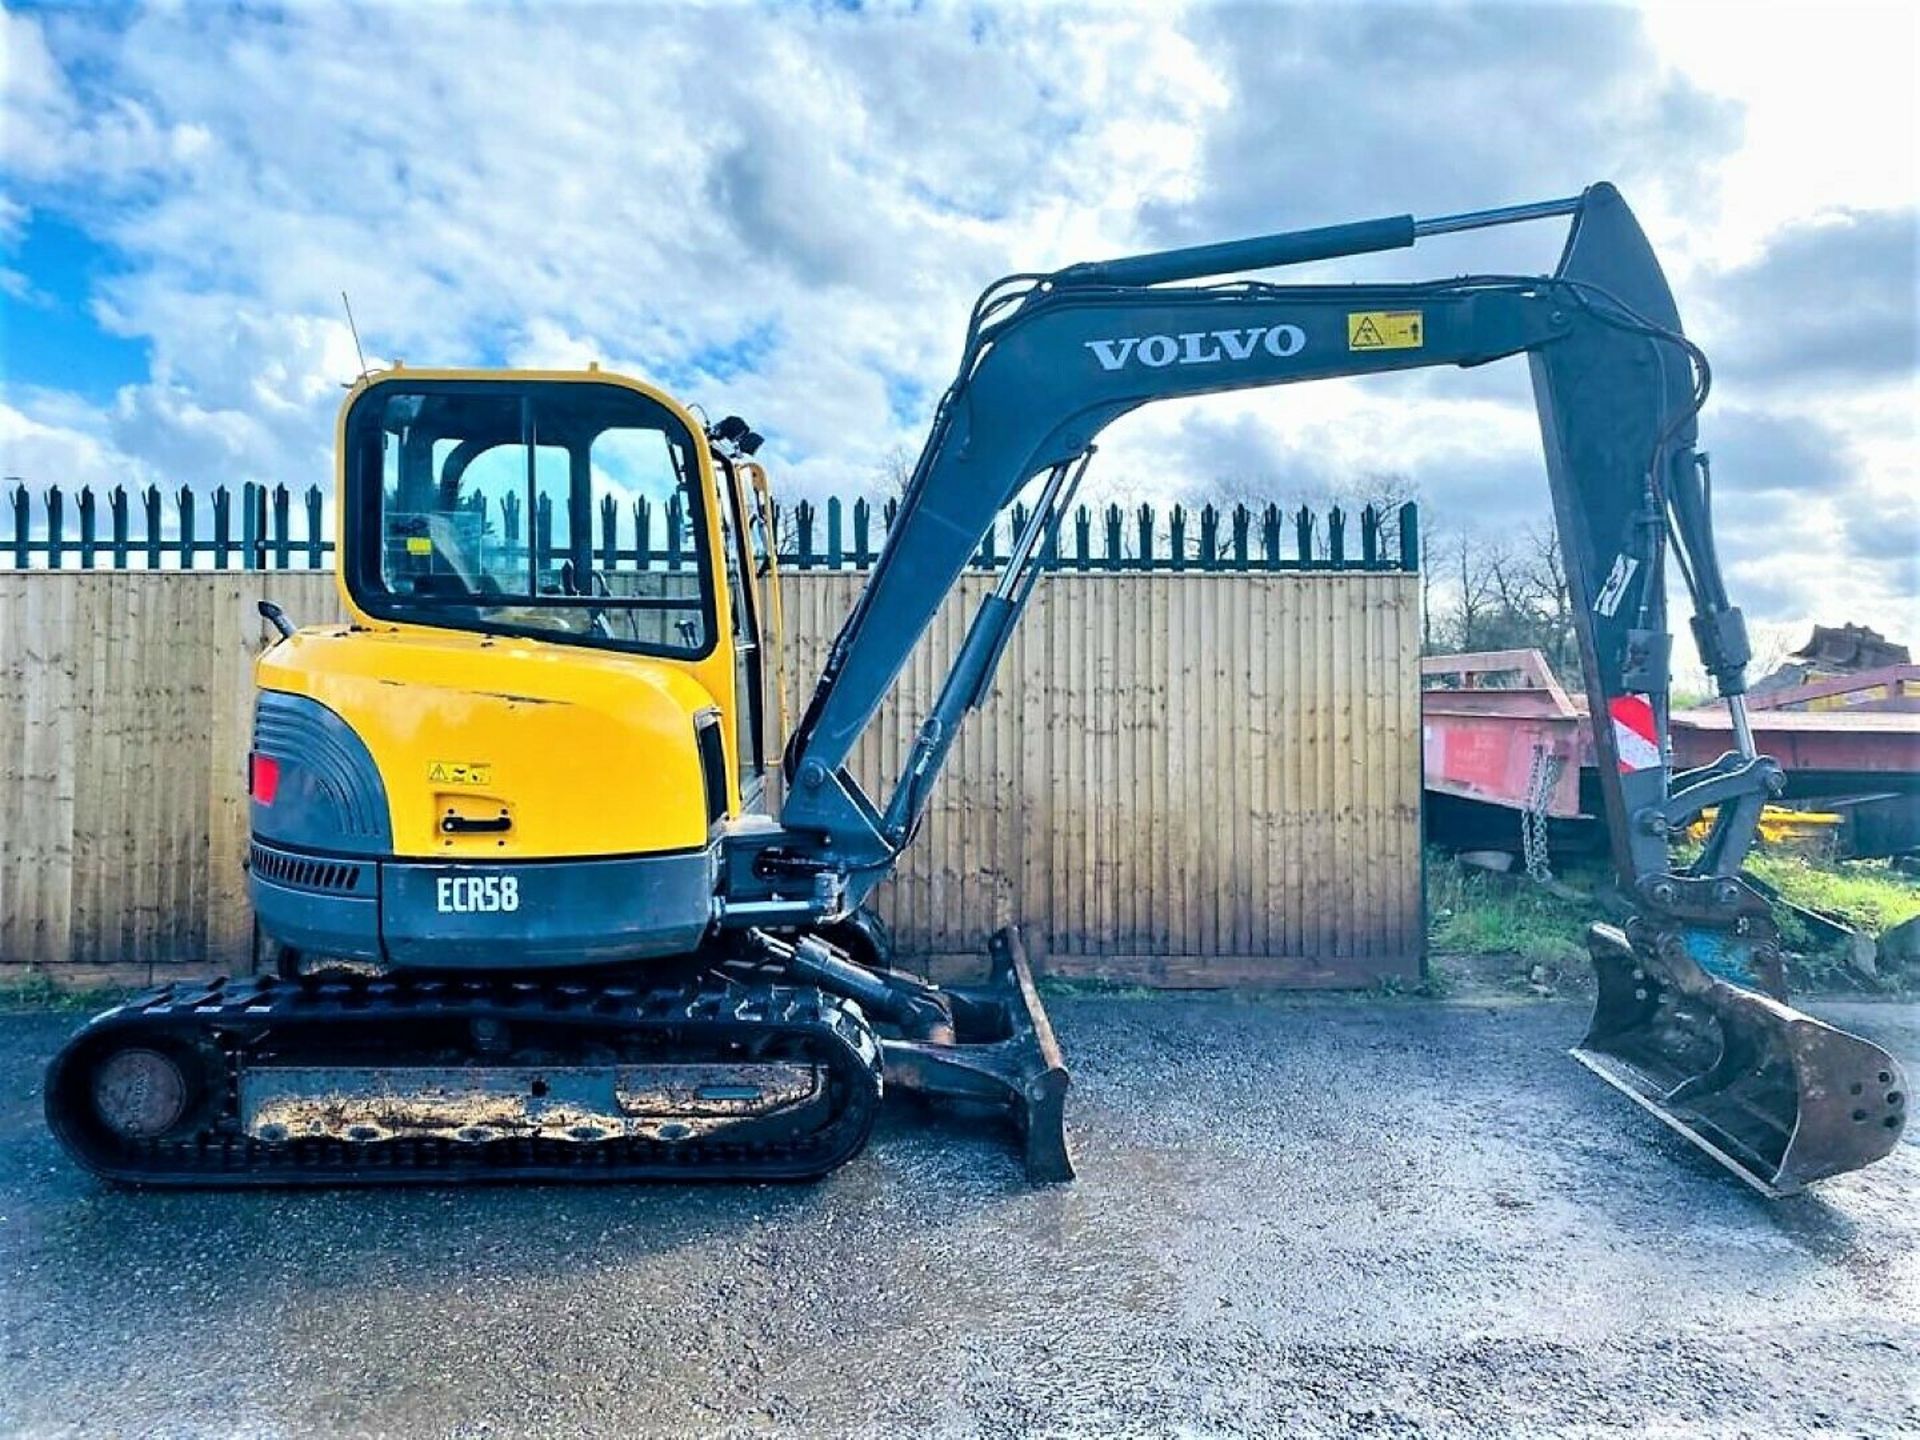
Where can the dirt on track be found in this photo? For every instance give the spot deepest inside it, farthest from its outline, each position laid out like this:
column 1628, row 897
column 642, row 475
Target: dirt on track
column 1295, row 1216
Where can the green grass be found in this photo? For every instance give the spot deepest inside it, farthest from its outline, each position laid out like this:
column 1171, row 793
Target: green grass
column 1475, row 912
column 1870, row 895
column 38, row 991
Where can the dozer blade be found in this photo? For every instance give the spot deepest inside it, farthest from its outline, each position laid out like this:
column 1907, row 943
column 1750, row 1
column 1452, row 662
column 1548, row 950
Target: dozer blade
column 1004, row 1055
column 1776, row 1096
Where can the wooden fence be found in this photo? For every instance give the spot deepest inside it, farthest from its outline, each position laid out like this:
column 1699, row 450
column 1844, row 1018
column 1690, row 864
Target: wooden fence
column 1186, row 779
column 1183, row 777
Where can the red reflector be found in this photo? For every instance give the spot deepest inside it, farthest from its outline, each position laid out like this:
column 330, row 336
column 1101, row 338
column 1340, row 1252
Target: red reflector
column 263, row 777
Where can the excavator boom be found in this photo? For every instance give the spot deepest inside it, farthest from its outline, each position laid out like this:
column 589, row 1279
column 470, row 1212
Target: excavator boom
column 1691, row 1021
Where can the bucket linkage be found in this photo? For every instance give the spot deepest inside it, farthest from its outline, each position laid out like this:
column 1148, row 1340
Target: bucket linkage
column 1778, row 1097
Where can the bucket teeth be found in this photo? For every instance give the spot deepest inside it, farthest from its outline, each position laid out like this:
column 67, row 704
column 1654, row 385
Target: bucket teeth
column 1780, row 1098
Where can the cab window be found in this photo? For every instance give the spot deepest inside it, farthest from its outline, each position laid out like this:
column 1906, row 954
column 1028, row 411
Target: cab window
column 563, row 510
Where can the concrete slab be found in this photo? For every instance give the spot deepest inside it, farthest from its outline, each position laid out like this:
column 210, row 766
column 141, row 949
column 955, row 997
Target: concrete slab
column 1306, row 1216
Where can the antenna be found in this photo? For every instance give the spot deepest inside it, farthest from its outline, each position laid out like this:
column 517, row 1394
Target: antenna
column 348, row 304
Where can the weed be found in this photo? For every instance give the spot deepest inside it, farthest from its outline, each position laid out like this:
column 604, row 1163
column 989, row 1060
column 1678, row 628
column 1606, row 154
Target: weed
column 37, row 990
column 1868, row 894
column 1476, row 912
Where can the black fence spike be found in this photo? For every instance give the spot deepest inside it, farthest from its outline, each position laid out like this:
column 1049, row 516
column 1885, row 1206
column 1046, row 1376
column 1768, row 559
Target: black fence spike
column 1109, row 537
column 316, row 500
column 56, row 526
column 803, row 534
column 117, row 508
column 88, row 542
column 22, row 525
column 150, row 511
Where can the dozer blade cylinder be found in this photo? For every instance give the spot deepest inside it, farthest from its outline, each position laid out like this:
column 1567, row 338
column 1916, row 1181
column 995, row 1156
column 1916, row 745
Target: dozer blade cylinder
column 1778, row 1097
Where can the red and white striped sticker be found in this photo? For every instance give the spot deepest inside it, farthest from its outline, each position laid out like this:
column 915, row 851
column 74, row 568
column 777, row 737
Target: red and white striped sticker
column 1634, row 742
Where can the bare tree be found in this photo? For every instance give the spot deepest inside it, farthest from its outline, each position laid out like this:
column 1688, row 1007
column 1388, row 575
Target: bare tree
column 1554, row 600
column 895, row 469
column 1473, row 599
column 1501, row 595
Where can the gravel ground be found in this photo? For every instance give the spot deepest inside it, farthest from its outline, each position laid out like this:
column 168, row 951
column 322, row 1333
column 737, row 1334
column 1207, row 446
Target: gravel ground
column 1294, row 1216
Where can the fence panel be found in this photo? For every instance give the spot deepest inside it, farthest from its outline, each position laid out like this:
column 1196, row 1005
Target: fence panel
column 1182, row 777
column 125, row 711
column 1178, row 779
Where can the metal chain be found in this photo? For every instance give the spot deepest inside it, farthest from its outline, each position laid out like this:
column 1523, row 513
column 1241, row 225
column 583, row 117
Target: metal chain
column 1533, row 820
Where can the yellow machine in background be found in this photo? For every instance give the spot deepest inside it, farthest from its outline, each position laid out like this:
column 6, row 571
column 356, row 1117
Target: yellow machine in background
column 1780, row 825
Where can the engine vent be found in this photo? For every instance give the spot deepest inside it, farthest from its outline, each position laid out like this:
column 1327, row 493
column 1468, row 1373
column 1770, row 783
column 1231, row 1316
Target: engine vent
column 713, row 763
column 332, row 877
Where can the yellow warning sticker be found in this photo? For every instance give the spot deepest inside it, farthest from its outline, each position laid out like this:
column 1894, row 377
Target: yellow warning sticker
column 1385, row 330
column 419, row 545
column 447, row 772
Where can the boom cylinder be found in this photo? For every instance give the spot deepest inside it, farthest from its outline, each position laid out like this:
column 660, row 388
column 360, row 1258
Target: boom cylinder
column 1503, row 215
column 1298, row 247
column 1262, row 252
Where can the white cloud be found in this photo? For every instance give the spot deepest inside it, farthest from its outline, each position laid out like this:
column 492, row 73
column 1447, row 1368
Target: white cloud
column 788, row 215
column 62, row 451
column 1826, row 91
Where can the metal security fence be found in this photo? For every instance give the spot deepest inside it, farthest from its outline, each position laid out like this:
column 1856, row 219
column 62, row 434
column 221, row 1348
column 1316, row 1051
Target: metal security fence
column 262, row 527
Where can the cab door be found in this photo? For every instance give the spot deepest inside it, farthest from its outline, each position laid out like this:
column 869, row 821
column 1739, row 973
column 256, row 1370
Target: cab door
column 766, row 574
column 751, row 678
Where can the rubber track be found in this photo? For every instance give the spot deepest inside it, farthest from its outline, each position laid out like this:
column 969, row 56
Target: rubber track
column 234, row 1015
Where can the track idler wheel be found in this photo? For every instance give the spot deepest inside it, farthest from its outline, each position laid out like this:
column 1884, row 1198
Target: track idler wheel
column 129, row 1093
column 140, row 1094
column 1778, row 1097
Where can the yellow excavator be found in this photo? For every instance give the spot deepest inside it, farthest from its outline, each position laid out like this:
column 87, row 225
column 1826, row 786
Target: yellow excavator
column 530, row 912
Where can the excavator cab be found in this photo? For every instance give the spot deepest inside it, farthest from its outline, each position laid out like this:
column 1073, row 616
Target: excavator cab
column 499, row 507
column 551, row 677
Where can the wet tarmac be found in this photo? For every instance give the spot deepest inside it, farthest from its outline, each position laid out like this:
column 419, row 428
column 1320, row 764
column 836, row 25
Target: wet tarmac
column 1296, row 1217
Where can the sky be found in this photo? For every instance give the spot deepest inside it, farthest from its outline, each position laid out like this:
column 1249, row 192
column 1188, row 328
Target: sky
column 787, row 210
